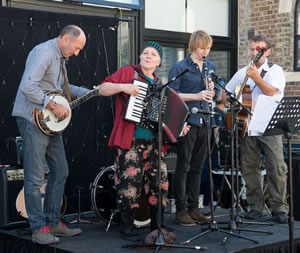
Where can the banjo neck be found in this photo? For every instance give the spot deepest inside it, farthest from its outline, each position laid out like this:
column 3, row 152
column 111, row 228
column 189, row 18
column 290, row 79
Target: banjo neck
column 84, row 98
column 46, row 120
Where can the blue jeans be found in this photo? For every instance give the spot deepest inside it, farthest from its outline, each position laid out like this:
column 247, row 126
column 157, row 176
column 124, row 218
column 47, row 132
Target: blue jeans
column 42, row 153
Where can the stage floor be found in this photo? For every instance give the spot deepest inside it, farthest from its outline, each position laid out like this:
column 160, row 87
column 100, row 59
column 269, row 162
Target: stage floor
column 96, row 239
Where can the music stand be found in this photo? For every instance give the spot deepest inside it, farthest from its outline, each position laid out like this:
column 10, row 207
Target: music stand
column 286, row 121
column 160, row 241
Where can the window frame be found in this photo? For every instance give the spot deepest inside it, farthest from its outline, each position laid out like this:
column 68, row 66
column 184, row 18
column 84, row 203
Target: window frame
column 112, row 4
column 170, row 38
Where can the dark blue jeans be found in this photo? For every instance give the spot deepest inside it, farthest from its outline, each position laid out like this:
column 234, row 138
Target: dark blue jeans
column 42, row 153
column 191, row 155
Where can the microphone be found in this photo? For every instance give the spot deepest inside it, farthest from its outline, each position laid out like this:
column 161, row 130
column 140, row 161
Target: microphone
column 216, row 78
column 195, row 110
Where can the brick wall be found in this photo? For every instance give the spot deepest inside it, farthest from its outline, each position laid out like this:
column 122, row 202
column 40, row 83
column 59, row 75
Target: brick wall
column 263, row 16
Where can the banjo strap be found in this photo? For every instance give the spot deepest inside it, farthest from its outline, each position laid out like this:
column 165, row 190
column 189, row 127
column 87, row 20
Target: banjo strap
column 66, row 83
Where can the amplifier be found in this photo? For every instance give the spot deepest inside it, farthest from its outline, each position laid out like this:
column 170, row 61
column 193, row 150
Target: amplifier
column 14, row 147
column 11, row 183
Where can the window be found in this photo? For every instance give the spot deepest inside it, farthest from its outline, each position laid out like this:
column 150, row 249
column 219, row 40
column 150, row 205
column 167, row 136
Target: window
column 171, row 22
column 188, row 15
column 170, row 57
column 297, row 37
column 222, row 61
column 174, row 54
column 125, row 41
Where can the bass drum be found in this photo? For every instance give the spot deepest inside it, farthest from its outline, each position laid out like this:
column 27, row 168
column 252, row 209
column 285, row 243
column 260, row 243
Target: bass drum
column 104, row 200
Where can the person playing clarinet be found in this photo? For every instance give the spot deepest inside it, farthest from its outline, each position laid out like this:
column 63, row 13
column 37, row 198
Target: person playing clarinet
column 198, row 91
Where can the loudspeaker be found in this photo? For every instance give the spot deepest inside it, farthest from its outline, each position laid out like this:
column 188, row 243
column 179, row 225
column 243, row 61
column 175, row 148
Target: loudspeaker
column 11, row 183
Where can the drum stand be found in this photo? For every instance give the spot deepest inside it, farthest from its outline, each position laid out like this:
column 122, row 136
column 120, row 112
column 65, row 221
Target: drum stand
column 160, row 241
column 78, row 219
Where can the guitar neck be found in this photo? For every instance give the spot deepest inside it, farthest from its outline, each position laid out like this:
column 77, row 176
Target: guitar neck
column 242, row 87
column 84, row 98
column 252, row 62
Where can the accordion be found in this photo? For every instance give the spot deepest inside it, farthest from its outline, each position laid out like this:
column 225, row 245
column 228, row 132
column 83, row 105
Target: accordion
column 143, row 110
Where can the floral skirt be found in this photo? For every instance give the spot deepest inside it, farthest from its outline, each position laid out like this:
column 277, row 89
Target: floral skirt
column 137, row 169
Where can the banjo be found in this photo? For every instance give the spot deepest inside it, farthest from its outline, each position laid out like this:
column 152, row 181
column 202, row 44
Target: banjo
column 48, row 123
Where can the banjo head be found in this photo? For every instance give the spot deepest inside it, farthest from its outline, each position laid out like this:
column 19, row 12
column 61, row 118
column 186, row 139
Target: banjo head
column 51, row 121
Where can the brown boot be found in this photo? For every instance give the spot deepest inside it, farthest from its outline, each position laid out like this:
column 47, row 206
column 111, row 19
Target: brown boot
column 183, row 218
column 197, row 216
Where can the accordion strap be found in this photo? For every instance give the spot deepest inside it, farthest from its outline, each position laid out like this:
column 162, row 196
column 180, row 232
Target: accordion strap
column 140, row 73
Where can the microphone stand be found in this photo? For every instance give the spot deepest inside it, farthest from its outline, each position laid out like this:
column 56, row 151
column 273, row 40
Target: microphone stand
column 213, row 226
column 160, row 241
column 236, row 220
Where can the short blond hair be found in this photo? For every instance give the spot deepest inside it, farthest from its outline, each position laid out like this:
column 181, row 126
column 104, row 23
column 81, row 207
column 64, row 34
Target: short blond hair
column 199, row 39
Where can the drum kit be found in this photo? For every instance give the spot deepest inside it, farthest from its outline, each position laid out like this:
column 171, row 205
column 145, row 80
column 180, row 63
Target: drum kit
column 103, row 198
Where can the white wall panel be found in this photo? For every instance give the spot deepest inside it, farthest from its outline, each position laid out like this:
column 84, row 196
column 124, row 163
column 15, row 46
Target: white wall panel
column 211, row 16
column 165, row 15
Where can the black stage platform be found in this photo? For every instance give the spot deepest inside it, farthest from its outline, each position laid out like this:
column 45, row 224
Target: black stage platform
column 94, row 238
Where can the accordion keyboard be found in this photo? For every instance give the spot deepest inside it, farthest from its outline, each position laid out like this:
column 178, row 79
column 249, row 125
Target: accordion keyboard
column 135, row 104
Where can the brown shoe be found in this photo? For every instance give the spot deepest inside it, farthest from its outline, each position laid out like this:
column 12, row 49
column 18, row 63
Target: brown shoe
column 197, row 216
column 61, row 230
column 184, row 219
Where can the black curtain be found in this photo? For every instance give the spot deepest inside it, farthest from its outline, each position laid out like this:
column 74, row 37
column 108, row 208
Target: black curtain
column 87, row 136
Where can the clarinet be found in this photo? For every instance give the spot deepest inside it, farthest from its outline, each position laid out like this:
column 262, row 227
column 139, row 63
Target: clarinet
column 205, row 72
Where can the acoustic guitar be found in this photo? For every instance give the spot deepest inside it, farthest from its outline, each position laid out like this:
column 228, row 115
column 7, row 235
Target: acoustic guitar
column 245, row 93
column 20, row 202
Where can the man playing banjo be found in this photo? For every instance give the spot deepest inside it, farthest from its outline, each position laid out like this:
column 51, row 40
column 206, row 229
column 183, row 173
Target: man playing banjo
column 45, row 72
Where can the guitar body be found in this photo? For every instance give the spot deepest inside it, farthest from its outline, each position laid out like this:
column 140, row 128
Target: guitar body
column 242, row 116
column 48, row 123
column 20, row 202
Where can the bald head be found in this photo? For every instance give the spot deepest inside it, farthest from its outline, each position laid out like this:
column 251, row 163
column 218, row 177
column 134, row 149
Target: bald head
column 71, row 40
column 72, row 30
